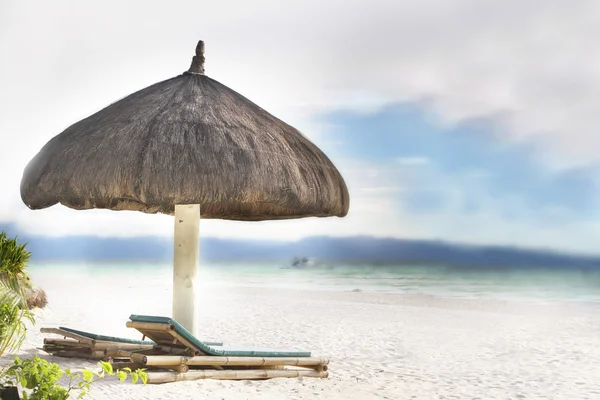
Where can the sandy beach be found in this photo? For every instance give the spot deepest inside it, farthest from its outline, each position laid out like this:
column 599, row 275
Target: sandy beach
column 382, row 346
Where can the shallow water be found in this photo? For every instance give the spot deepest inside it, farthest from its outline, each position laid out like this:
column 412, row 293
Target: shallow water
column 530, row 285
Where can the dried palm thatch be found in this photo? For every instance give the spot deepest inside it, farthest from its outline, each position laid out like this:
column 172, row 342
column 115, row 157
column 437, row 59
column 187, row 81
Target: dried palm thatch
column 36, row 297
column 33, row 296
column 186, row 140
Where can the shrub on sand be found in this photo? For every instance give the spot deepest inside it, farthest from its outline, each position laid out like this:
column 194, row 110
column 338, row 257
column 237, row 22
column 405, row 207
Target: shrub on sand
column 13, row 258
column 38, row 378
column 13, row 264
column 13, row 314
column 36, row 297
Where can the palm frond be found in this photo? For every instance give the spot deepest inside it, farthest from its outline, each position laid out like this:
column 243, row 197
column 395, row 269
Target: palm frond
column 13, row 257
column 13, row 314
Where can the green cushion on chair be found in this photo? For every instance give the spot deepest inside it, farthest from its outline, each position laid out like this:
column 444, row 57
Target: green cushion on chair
column 93, row 336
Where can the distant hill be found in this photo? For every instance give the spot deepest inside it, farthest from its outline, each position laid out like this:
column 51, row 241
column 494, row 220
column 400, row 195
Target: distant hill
column 333, row 249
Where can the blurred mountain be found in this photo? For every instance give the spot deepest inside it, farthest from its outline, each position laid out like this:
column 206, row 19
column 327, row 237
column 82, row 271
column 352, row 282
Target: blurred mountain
column 330, row 249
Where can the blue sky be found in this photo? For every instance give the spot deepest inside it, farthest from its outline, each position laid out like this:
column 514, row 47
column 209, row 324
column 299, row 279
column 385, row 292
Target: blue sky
column 465, row 121
column 445, row 176
column 405, row 140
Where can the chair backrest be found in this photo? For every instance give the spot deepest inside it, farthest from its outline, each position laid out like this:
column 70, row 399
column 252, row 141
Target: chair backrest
column 103, row 338
column 169, row 333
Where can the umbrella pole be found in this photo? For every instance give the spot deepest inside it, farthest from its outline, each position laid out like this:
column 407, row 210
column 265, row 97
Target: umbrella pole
column 185, row 265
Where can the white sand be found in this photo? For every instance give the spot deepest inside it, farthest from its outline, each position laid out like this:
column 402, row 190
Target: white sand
column 381, row 346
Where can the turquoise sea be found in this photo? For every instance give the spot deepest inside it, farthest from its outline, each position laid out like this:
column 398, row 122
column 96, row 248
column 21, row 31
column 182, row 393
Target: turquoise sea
column 539, row 285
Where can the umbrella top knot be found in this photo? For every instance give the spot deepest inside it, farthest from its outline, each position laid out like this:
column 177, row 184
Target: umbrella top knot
column 197, row 66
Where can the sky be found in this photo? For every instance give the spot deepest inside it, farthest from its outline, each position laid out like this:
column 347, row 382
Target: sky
column 467, row 121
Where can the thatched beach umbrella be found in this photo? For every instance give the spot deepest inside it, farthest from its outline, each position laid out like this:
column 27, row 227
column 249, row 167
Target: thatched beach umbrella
column 187, row 146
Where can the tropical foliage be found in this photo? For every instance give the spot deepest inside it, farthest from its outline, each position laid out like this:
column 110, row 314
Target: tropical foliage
column 14, row 281
column 13, row 259
column 13, row 263
column 14, row 312
column 40, row 379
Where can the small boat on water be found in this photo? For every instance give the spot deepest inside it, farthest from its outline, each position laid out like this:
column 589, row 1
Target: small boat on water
column 306, row 263
column 303, row 262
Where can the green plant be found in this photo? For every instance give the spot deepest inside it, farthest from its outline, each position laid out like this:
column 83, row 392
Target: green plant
column 38, row 376
column 13, row 258
column 41, row 378
column 13, row 264
column 13, row 314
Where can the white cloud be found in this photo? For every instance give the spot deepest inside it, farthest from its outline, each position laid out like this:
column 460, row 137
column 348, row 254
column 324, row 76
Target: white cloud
column 533, row 67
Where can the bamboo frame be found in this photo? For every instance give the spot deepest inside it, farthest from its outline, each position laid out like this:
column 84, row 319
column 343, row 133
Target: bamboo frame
column 182, row 358
column 99, row 345
column 150, row 326
column 66, row 342
column 93, row 355
column 67, row 334
column 124, row 354
column 165, row 377
column 176, row 350
column 52, row 349
column 78, row 346
column 145, row 327
column 309, row 362
column 199, row 359
column 121, row 346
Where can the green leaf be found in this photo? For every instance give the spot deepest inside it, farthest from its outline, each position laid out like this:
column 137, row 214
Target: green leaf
column 122, row 375
column 107, row 367
column 143, row 376
column 134, row 377
column 14, row 281
column 87, row 375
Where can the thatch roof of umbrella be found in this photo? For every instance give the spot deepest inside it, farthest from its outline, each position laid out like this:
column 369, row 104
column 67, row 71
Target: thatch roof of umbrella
column 186, row 140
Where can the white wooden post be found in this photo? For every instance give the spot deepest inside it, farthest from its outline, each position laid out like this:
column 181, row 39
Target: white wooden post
column 185, row 268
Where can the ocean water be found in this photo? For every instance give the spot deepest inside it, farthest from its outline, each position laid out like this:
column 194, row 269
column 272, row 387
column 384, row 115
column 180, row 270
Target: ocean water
column 535, row 285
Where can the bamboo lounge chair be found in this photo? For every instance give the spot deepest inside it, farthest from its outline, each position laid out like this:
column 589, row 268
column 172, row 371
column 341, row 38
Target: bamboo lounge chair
column 184, row 357
column 81, row 344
